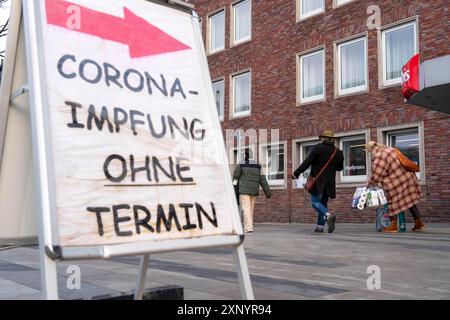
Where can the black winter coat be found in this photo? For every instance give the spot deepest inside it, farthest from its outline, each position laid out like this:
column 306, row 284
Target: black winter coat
column 318, row 157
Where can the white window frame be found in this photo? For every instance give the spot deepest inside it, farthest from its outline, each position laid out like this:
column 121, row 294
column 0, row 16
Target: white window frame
column 210, row 17
column 221, row 116
column 303, row 16
column 233, row 95
column 352, row 179
column 303, row 100
column 390, row 133
column 398, row 80
column 383, row 135
column 298, row 156
column 279, row 183
column 363, row 88
column 234, row 5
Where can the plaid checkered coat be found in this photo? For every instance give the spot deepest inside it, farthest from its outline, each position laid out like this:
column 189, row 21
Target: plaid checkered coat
column 401, row 186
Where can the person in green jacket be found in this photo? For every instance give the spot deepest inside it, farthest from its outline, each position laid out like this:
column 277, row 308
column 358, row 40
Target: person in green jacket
column 249, row 178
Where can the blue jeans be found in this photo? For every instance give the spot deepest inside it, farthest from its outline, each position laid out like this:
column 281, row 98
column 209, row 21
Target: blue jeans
column 320, row 203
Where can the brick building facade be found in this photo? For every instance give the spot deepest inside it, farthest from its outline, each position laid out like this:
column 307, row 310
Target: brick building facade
column 357, row 94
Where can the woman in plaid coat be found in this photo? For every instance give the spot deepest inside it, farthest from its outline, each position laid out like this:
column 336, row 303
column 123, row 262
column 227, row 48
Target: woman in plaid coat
column 401, row 186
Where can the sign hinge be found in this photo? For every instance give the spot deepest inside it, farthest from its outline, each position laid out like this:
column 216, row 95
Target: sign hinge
column 53, row 252
column 23, row 89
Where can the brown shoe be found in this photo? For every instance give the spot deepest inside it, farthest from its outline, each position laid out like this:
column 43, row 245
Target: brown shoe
column 392, row 228
column 418, row 225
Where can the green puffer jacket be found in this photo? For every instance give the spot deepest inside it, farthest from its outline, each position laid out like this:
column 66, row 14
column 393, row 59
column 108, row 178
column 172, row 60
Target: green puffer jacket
column 250, row 178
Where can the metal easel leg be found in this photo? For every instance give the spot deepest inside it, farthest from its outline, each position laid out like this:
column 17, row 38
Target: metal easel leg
column 49, row 276
column 140, row 283
column 243, row 274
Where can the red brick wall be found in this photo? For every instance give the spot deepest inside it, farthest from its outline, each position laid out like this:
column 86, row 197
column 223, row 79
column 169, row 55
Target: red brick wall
column 271, row 55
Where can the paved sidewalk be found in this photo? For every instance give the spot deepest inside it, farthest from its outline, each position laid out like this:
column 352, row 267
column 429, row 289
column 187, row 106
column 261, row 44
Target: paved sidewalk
column 285, row 261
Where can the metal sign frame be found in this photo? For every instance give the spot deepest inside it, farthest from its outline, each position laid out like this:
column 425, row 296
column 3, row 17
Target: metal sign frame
column 50, row 251
column 8, row 71
column 9, row 91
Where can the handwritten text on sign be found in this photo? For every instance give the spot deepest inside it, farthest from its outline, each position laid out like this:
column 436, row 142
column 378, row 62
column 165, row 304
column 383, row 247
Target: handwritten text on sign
column 132, row 131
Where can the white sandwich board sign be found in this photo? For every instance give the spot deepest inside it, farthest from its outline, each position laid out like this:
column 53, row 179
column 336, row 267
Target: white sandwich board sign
column 128, row 152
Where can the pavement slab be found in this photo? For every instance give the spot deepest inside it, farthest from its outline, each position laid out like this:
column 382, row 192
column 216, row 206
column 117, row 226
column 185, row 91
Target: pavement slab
column 286, row 261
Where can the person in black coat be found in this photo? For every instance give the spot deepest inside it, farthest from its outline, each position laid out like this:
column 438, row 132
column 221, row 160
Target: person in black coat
column 325, row 185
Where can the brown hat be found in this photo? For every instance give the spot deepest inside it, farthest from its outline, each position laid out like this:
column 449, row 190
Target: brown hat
column 327, row 134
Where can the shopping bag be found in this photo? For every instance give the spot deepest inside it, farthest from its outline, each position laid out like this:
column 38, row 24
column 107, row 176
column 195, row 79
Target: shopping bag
column 382, row 219
column 358, row 200
column 368, row 197
column 401, row 222
column 300, row 182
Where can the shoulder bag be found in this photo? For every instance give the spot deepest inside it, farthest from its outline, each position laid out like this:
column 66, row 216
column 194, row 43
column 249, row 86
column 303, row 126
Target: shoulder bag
column 406, row 162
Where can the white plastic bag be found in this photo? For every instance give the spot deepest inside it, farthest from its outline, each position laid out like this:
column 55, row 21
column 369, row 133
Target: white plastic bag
column 300, row 182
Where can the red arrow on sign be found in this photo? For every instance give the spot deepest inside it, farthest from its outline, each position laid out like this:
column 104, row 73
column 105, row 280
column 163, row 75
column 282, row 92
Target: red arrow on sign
column 142, row 38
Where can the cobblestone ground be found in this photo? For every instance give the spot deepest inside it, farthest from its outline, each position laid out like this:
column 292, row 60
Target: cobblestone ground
column 285, row 261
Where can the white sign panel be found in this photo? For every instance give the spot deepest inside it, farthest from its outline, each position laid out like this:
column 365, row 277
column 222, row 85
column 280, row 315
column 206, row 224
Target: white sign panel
column 135, row 137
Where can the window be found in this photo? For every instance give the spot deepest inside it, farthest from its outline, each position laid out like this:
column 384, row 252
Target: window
column 219, row 96
column 355, row 159
column 242, row 18
column 399, row 45
column 352, row 65
column 239, row 154
column 274, row 164
column 312, row 77
column 408, row 142
column 305, row 150
column 217, row 32
column 242, row 94
column 309, row 8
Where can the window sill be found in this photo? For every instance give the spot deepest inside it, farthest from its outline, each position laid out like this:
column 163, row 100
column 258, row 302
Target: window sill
column 277, row 187
column 345, row 95
column 302, row 19
column 389, row 86
column 215, row 52
column 337, row 6
column 342, row 185
column 305, row 103
column 239, row 116
column 353, row 182
column 237, row 44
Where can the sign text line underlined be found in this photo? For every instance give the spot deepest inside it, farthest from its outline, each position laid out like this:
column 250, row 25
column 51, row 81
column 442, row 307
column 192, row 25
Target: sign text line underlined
column 151, row 185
